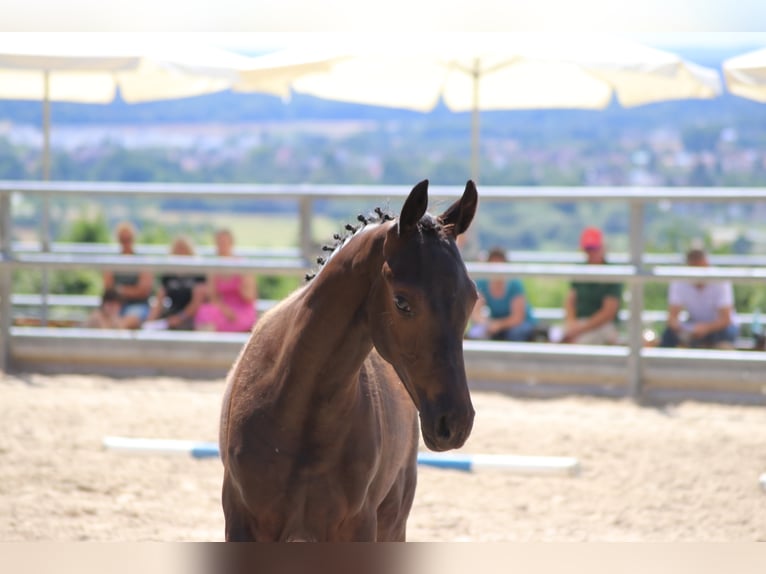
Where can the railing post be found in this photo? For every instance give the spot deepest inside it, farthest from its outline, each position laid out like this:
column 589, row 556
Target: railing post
column 635, row 326
column 46, row 208
column 45, row 246
column 6, row 308
column 306, row 239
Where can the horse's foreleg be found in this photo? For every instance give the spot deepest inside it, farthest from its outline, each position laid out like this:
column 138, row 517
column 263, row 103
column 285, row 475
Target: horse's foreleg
column 237, row 524
column 395, row 508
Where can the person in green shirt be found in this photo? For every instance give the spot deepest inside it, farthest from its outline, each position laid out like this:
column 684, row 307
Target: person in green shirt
column 591, row 308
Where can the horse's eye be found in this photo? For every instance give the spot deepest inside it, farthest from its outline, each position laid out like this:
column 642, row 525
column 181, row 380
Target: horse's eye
column 402, row 304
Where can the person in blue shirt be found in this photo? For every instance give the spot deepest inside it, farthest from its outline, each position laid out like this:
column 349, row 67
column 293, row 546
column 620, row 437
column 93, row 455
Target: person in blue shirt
column 502, row 311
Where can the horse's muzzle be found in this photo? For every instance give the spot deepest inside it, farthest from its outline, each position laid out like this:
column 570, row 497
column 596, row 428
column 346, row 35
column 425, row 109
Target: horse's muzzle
column 446, row 430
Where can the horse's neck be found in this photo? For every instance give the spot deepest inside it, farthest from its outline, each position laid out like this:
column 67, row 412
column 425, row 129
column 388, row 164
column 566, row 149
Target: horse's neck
column 331, row 330
column 339, row 297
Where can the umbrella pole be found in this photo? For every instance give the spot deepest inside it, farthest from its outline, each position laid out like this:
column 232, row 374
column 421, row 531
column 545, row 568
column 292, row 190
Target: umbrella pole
column 475, row 144
column 469, row 241
column 475, row 127
column 46, row 172
column 46, row 159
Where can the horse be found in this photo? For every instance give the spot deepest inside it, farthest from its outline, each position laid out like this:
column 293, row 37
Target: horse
column 319, row 422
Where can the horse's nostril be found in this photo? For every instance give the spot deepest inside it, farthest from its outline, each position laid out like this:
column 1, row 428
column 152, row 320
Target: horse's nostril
column 442, row 428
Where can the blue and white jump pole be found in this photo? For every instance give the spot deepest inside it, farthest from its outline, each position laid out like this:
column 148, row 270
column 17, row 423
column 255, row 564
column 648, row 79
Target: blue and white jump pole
column 454, row 461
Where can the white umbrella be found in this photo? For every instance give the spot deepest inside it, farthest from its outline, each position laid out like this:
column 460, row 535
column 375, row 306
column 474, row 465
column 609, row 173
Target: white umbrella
column 89, row 68
column 746, row 75
column 472, row 73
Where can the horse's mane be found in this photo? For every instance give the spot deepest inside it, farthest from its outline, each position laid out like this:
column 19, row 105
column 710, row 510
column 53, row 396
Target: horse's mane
column 427, row 223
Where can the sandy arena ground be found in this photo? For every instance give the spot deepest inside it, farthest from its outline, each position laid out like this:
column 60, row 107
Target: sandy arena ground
column 685, row 472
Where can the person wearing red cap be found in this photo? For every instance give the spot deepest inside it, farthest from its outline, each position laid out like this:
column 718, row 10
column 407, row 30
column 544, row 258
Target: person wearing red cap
column 591, row 308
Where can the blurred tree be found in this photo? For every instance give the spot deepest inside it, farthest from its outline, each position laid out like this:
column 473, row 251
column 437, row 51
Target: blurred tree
column 84, row 230
column 77, row 281
column 11, row 164
column 154, row 234
column 742, row 245
column 697, row 138
column 276, row 287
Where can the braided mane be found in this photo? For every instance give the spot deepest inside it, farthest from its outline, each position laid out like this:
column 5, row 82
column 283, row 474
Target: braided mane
column 427, row 223
column 340, row 239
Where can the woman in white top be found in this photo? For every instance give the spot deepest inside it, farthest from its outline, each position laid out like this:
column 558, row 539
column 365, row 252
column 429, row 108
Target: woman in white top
column 710, row 306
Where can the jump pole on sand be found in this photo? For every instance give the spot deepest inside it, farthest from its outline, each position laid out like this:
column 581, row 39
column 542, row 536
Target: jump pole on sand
column 454, row 461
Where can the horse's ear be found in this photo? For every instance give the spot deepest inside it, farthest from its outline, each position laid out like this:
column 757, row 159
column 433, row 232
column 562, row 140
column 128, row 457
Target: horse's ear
column 459, row 215
column 414, row 208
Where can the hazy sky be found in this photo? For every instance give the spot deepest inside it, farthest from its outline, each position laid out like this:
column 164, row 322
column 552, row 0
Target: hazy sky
column 259, row 42
column 402, row 19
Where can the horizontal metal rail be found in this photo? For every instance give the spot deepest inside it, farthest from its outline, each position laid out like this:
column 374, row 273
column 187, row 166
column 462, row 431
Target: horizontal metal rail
column 174, row 264
column 314, row 191
column 617, row 273
column 150, row 249
column 275, row 266
column 90, row 302
column 573, row 257
column 263, row 305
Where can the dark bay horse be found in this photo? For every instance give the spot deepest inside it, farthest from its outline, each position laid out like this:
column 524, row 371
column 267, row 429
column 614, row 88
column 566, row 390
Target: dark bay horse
column 319, row 426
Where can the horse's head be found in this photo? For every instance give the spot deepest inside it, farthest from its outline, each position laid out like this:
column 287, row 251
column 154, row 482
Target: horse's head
column 423, row 300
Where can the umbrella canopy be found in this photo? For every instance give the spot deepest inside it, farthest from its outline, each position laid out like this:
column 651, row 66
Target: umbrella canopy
column 746, row 75
column 474, row 74
column 89, row 68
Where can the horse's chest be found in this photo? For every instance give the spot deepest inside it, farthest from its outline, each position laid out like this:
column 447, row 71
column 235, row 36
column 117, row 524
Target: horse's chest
column 299, row 477
column 308, row 502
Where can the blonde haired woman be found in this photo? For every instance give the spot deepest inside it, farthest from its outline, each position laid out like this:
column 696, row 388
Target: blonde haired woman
column 133, row 288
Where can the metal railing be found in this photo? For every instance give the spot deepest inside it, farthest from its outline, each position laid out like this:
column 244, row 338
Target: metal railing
column 90, row 302
column 635, row 268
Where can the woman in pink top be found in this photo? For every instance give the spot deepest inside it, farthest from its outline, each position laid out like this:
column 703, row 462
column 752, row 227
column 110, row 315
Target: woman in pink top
column 231, row 298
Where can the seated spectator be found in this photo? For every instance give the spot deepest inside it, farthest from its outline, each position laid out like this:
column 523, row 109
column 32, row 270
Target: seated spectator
column 510, row 316
column 710, row 306
column 591, row 308
column 107, row 316
column 178, row 297
column 230, row 305
column 133, row 288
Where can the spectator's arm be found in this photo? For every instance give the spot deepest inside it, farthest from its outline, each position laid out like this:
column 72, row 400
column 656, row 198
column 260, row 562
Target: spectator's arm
column 673, row 317
column 722, row 321
column 108, row 278
column 518, row 312
column 198, row 297
column 211, row 293
column 248, row 288
column 156, row 311
column 608, row 311
column 570, row 313
column 476, row 316
column 141, row 290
